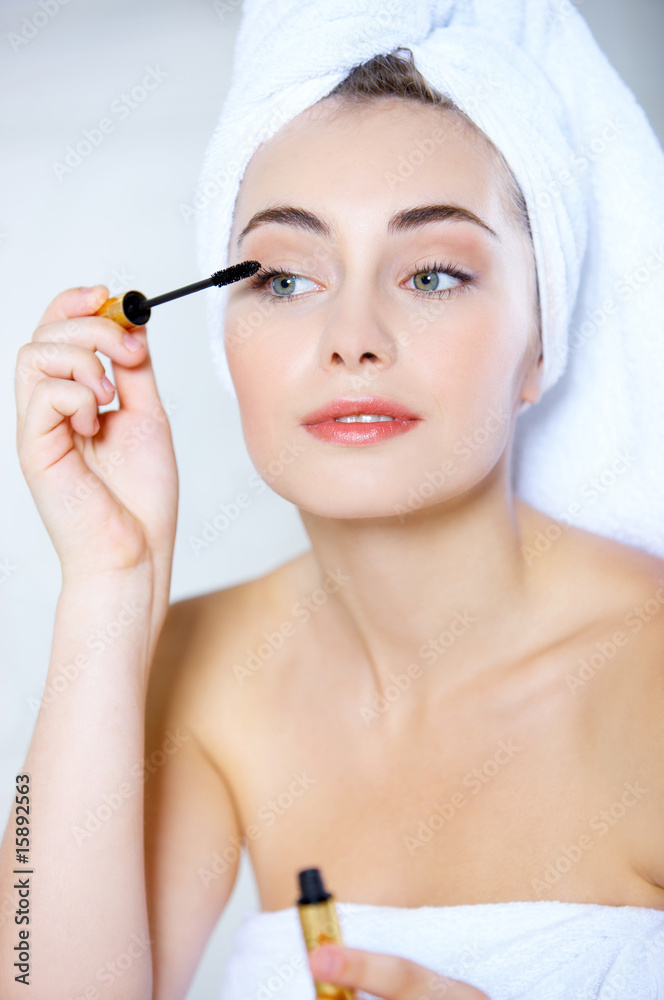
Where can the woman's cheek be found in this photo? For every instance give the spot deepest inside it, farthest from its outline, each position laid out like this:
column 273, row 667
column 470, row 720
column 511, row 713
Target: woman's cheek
column 264, row 410
column 472, row 382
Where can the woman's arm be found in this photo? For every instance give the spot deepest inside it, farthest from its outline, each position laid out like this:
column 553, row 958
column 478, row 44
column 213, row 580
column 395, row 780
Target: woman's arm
column 192, row 832
column 129, row 819
column 87, row 907
column 105, row 486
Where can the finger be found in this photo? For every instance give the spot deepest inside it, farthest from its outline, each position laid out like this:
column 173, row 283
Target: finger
column 137, row 387
column 132, row 369
column 74, row 302
column 65, row 361
column 390, row 976
column 52, row 400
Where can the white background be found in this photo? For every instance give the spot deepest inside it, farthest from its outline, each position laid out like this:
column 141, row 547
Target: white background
column 117, row 219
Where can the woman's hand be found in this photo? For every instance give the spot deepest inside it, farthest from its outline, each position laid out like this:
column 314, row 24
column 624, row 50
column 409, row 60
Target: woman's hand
column 106, row 494
column 387, row 976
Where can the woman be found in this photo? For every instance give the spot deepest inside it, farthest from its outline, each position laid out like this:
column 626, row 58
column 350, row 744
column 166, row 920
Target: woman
column 497, row 756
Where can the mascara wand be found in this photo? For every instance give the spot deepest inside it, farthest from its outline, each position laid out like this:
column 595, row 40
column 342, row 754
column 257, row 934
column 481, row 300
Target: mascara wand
column 133, row 309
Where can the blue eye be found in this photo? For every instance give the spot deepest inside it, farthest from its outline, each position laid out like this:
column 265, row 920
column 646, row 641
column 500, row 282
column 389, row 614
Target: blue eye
column 433, row 286
column 427, row 274
column 285, row 283
column 431, row 282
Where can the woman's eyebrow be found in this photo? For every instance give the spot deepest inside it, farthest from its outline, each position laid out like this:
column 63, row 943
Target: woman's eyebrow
column 406, row 219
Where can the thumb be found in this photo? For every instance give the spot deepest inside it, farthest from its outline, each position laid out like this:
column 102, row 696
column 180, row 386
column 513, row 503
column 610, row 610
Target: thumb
column 136, row 386
column 74, row 302
column 387, row 976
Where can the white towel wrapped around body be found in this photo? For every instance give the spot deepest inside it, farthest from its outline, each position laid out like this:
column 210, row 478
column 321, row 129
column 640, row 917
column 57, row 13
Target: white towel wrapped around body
column 542, row 950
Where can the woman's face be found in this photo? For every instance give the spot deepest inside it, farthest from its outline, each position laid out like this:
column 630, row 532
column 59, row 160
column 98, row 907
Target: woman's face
column 373, row 312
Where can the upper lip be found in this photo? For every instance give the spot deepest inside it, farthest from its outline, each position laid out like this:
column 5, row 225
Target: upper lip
column 347, row 406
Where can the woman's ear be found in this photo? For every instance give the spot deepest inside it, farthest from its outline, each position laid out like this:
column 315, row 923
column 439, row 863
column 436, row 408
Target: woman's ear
column 531, row 387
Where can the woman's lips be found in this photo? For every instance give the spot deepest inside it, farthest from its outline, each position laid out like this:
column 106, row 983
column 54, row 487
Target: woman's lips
column 322, row 423
column 346, row 406
column 360, row 433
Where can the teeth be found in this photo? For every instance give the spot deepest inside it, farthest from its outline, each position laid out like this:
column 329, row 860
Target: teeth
column 362, row 418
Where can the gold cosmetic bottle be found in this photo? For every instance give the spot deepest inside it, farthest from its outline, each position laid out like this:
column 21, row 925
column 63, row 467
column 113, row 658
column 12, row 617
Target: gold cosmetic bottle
column 320, row 925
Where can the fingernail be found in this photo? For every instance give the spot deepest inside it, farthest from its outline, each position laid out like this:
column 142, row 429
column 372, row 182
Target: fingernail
column 107, row 385
column 131, row 342
column 85, row 290
column 97, row 425
column 328, row 962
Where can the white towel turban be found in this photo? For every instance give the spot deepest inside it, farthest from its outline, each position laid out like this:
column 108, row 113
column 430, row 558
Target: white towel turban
column 530, row 74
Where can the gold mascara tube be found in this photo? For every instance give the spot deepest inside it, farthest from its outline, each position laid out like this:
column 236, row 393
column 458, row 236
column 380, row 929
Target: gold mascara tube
column 320, row 925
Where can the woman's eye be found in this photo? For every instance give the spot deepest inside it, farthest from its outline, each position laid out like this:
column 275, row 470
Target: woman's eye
column 284, row 284
column 435, row 281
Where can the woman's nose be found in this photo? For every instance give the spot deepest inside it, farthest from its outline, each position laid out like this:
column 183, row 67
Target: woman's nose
column 358, row 336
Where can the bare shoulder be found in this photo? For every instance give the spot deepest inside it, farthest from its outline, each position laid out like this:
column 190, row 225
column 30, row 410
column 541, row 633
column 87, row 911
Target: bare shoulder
column 620, row 678
column 621, row 577
column 205, row 641
column 223, row 620
column 616, row 591
column 599, row 575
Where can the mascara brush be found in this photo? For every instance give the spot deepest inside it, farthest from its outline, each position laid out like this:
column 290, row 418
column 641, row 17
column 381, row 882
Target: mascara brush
column 133, row 309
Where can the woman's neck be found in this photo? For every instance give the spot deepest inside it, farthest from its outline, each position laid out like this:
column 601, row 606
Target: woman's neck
column 439, row 587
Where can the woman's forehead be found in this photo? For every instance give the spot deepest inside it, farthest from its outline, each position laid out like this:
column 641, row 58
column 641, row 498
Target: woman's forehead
column 374, row 162
column 342, row 130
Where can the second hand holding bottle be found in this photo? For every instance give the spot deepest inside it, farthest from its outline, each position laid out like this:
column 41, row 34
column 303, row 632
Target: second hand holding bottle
column 320, row 925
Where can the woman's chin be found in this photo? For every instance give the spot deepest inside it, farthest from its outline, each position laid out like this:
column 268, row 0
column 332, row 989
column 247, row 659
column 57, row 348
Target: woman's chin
column 343, row 502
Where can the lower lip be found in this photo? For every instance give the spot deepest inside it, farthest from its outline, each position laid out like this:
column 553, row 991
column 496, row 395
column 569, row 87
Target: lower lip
column 359, row 433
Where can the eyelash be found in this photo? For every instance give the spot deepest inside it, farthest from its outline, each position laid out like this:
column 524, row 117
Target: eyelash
column 260, row 279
